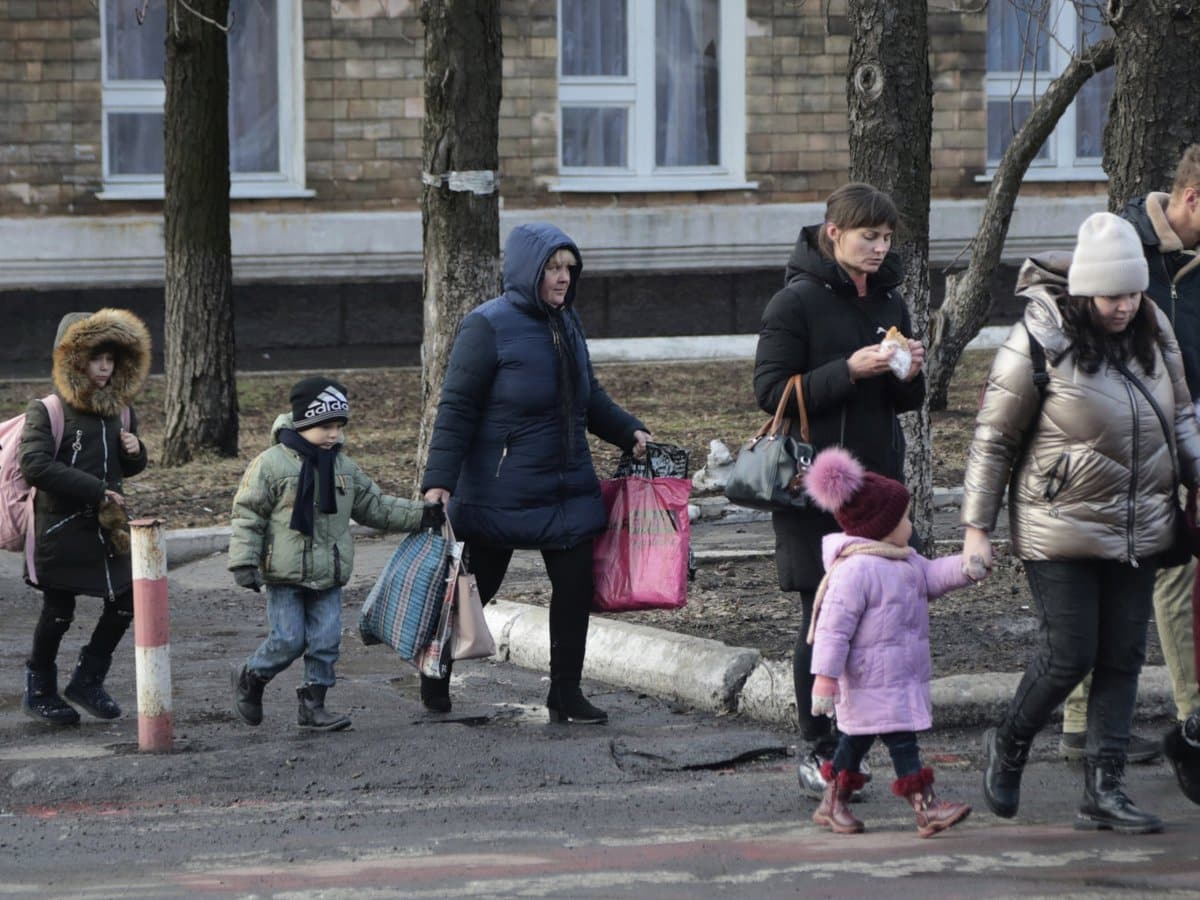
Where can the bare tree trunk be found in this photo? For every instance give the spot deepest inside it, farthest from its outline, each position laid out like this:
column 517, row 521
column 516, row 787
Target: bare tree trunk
column 201, row 397
column 890, row 98
column 1153, row 114
column 968, row 295
column 460, row 213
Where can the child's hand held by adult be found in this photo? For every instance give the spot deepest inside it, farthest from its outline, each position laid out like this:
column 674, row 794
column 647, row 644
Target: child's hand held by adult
column 433, row 517
column 975, row 568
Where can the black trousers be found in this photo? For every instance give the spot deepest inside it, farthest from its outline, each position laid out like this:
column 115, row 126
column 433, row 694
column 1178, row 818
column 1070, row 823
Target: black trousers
column 571, row 589
column 58, row 612
column 1092, row 617
column 816, row 730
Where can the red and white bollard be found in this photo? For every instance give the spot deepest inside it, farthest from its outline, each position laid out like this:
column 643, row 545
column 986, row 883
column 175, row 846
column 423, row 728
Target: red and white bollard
column 149, row 551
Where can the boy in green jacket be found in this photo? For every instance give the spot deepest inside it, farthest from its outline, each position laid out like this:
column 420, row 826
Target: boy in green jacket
column 291, row 533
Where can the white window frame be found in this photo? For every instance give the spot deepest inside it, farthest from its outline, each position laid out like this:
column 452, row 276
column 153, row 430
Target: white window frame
column 635, row 92
column 149, row 96
column 1062, row 164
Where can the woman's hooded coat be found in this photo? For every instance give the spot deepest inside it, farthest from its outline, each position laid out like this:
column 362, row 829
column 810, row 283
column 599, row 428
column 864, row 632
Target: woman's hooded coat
column 73, row 552
column 1089, row 472
column 812, row 326
column 510, row 437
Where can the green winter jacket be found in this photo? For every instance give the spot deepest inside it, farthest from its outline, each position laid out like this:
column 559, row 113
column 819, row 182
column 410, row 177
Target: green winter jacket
column 262, row 512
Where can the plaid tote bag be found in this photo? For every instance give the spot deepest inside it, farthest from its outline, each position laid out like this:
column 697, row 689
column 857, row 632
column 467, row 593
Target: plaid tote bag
column 403, row 607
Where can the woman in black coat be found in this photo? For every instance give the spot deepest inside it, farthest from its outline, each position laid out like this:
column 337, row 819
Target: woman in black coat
column 101, row 361
column 509, row 453
column 826, row 324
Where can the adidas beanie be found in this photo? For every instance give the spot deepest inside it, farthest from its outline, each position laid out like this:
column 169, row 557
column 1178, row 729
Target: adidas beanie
column 1108, row 259
column 318, row 399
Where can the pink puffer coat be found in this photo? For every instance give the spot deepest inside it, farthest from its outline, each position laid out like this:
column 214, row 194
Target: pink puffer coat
column 872, row 635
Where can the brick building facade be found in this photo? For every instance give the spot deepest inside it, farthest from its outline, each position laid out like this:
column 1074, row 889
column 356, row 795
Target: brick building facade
column 337, row 220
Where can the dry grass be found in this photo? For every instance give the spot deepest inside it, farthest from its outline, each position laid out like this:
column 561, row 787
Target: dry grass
column 687, row 404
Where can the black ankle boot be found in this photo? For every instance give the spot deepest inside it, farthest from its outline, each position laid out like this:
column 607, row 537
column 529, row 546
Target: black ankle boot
column 1181, row 746
column 566, row 703
column 86, row 687
column 1005, row 757
column 435, row 693
column 247, row 695
column 312, row 712
column 41, row 701
column 1105, row 804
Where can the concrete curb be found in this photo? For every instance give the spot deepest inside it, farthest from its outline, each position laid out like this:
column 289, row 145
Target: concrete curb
column 722, row 346
column 701, row 673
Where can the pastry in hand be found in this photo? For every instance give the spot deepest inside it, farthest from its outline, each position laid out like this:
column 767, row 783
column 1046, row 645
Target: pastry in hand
column 901, row 359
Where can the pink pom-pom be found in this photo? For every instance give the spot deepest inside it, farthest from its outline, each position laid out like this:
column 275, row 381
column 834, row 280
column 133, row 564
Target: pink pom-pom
column 833, row 478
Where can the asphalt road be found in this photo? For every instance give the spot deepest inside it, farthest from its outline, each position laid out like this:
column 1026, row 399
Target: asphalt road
column 492, row 801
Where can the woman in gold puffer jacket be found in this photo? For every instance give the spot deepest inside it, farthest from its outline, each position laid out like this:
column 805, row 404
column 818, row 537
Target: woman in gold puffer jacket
column 1091, row 476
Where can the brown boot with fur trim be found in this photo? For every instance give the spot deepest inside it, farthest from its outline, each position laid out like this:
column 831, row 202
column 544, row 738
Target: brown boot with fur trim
column 834, row 811
column 933, row 815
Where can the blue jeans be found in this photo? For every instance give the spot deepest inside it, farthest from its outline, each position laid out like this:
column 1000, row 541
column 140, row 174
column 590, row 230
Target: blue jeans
column 1092, row 616
column 902, row 745
column 303, row 622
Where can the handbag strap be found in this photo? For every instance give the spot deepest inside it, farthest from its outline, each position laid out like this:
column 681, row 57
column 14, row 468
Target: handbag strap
column 456, row 550
column 1162, row 419
column 780, row 421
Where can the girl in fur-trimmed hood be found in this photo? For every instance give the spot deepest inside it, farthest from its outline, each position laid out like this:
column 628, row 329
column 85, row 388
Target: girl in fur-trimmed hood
column 79, row 336
column 100, row 363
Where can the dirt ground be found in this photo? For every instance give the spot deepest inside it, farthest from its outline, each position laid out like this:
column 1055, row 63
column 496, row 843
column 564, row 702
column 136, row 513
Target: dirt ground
column 985, row 628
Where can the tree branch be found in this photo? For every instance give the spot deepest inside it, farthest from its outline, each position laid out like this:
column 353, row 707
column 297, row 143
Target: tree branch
column 968, row 299
column 202, row 17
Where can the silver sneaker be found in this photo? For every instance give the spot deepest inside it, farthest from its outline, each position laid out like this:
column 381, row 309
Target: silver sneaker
column 812, row 783
column 808, row 772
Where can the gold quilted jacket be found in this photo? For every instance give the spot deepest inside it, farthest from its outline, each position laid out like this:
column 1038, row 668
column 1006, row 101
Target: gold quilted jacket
column 1096, row 478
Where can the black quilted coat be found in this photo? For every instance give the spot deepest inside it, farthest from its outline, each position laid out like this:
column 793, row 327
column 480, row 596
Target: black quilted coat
column 73, row 552
column 812, row 327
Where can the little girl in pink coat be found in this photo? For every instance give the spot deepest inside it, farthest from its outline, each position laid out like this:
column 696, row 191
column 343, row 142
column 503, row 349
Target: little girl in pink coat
column 870, row 638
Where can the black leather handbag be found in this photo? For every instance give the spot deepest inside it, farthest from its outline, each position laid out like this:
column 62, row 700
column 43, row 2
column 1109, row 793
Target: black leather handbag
column 768, row 472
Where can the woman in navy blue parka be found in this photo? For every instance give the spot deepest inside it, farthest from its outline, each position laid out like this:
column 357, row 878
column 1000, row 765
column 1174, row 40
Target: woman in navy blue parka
column 509, row 454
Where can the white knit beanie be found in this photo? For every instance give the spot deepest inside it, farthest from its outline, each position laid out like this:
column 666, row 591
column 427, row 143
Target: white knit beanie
column 1108, row 259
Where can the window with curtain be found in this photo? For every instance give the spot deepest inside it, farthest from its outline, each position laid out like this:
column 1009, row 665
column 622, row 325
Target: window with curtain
column 651, row 94
column 1030, row 43
column 265, row 94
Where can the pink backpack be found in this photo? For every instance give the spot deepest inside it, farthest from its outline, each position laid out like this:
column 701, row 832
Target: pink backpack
column 16, row 496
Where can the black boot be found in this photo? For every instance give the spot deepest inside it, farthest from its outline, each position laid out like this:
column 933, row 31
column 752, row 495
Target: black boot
column 41, row 701
column 566, row 703
column 86, row 687
column 1105, row 804
column 247, row 694
column 435, row 693
column 1005, row 757
column 1181, row 746
column 312, row 710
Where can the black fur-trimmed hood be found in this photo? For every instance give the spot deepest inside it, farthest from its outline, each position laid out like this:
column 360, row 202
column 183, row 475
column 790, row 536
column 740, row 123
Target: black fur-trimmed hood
column 79, row 334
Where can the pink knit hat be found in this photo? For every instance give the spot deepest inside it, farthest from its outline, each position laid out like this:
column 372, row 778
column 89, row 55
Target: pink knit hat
column 865, row 504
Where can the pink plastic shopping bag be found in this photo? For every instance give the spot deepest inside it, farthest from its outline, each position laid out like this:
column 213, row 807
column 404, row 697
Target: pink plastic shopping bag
column 640, row 561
